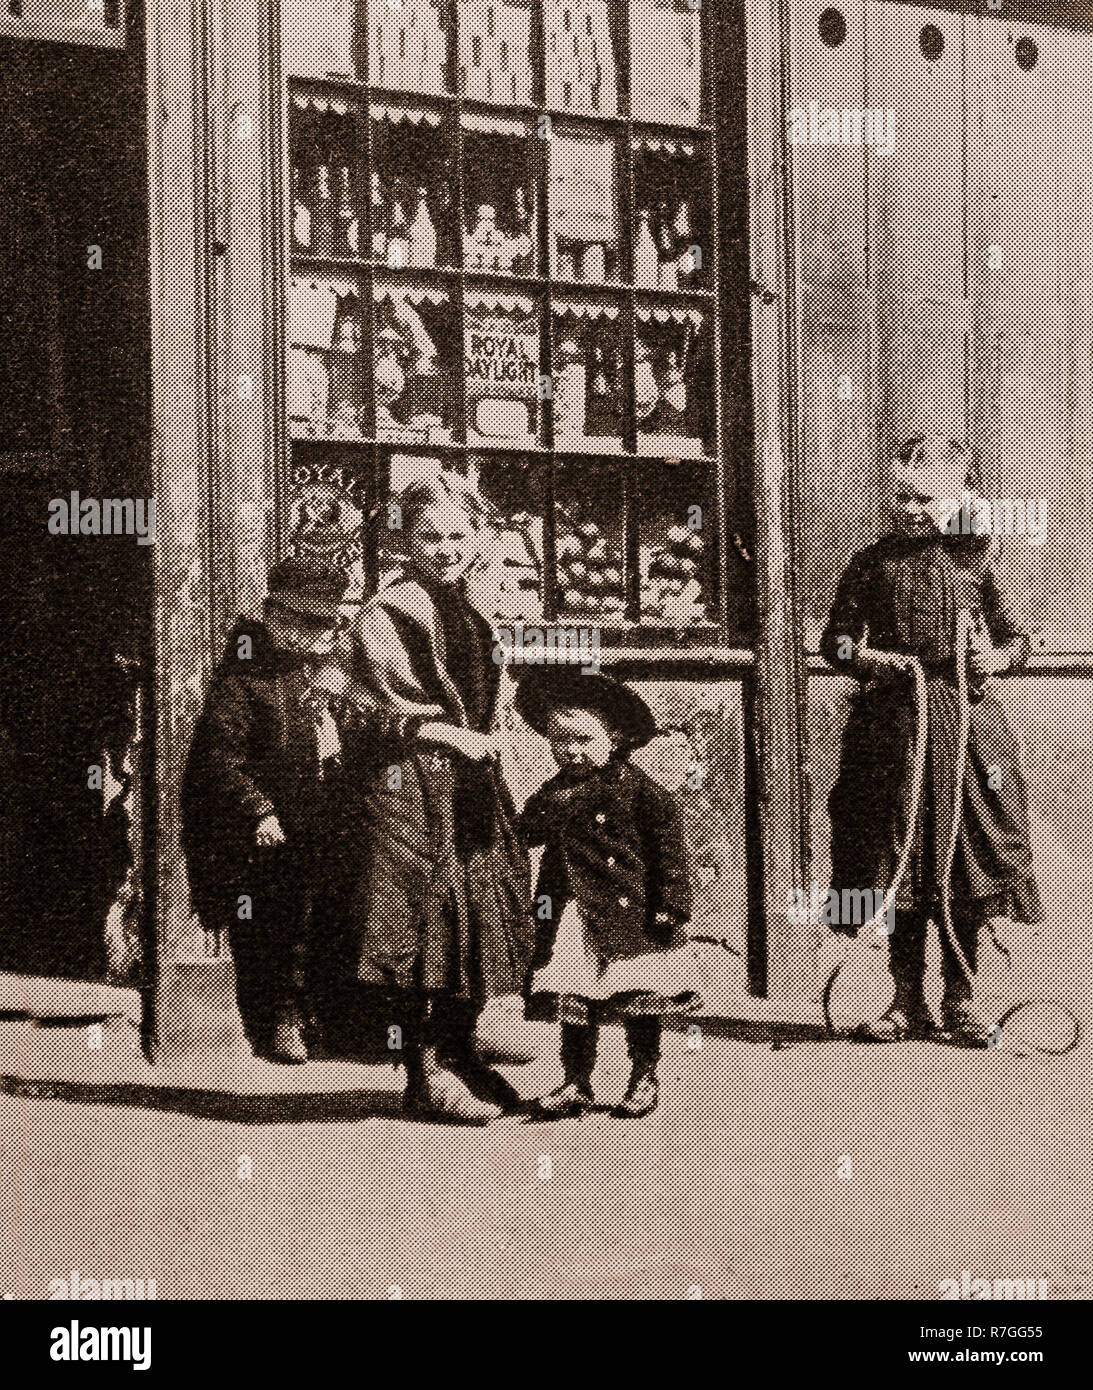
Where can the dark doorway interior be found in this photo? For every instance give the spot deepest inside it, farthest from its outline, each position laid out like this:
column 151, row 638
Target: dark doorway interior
column 75, row 610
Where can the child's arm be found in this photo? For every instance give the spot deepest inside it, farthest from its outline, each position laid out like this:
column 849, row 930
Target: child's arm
column 847, row 621
column 845, row 643
column 224, row 733
column 1008, row 645
column 667, row 851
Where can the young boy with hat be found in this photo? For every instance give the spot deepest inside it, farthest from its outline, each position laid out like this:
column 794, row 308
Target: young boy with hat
column 262, row 792
column 613, row 892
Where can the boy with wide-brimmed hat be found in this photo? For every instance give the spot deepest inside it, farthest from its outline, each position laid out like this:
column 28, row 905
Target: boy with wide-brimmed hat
column 613, row 894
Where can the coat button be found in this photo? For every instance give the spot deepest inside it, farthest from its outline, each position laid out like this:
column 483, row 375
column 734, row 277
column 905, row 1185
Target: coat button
column 610, row 861
column 624, row 902
column 600, row 818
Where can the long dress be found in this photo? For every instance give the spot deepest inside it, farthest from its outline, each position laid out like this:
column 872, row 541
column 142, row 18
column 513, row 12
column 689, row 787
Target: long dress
column 908, row 592
column 441, row 898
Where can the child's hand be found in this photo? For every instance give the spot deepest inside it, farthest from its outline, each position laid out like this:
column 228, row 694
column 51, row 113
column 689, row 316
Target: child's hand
column 467, row 742
column 269, row 832
column 984, row 658
column 873, row 665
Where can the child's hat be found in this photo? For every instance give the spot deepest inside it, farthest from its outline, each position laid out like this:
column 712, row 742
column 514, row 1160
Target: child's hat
column 309, row 587
column 543, row 688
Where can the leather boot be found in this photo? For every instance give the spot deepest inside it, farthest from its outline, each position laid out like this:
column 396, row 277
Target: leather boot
column 435, row 1093
column 287, row 1039
column 643, row 1044
column 574, row 1095
column 459, row 1053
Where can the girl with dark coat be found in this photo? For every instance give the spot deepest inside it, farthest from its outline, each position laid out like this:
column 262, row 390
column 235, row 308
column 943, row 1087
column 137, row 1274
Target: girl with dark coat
column 440, row 915
column 613, row 893
column 905, row 592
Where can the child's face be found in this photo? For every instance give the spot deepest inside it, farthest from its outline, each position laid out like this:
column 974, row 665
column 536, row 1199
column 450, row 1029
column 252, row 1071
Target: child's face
column 927, row 493
column 294, row 632
column 579, row 738
column 444, row 543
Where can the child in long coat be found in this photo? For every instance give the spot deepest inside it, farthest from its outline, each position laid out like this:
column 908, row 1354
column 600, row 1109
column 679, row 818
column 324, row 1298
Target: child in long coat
column 263, row 792
column 901, row 597
column 613, row 891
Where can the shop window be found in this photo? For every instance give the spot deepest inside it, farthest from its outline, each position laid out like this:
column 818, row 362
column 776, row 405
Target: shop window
column 521, row 196
column 589, row 517
column 513, row 578
column 325, row 363
column 665, row 61
column 580, row 45
column 673, row 386
column 408, row 46
column 501, row 369
column 677, row 544
column 584, row 208
column 412, row 210
column 327, row 174
column 495, row 41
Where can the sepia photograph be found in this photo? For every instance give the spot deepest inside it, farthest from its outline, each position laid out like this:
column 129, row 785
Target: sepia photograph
column 545, row 709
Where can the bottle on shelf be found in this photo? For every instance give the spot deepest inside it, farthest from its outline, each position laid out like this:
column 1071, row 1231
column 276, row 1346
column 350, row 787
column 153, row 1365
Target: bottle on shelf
column 345, row 377
column 379, row 219
column 602, row 415
column 322, row 214
column 645, row 253
column 570, row 387
column 301, row 214
column 422, row 234
column 482, row 249
column 667, row 270
column 398, row 238
column 646, row 391
column 675, row 388
column 347, row 240
column 687, row 268
column 523, row 262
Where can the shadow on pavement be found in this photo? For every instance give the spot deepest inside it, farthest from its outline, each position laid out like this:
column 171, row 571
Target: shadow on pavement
column 330, row 1107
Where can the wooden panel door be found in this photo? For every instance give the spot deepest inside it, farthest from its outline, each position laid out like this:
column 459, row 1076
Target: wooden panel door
column 839, row 498
column 915, row 68
column 1031, row 268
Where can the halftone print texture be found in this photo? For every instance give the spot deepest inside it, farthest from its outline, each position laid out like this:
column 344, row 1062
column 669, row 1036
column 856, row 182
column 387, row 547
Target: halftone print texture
column 586, row 795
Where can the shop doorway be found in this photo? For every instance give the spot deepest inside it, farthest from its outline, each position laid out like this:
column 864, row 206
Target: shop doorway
column 75, row 620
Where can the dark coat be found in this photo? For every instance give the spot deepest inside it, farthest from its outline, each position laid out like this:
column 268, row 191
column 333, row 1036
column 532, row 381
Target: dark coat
column 254, row 754
column 908, row 593
column 614, row 845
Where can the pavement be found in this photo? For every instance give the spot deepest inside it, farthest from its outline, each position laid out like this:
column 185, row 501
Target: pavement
column 779, row 1164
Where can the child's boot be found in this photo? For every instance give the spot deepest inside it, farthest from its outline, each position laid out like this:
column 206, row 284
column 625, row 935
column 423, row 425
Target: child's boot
column 909, row 1016
column 961, row 1023
column 643, row 1044
column 287, row 1039
column 433, row 1091
column 574, row 1095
